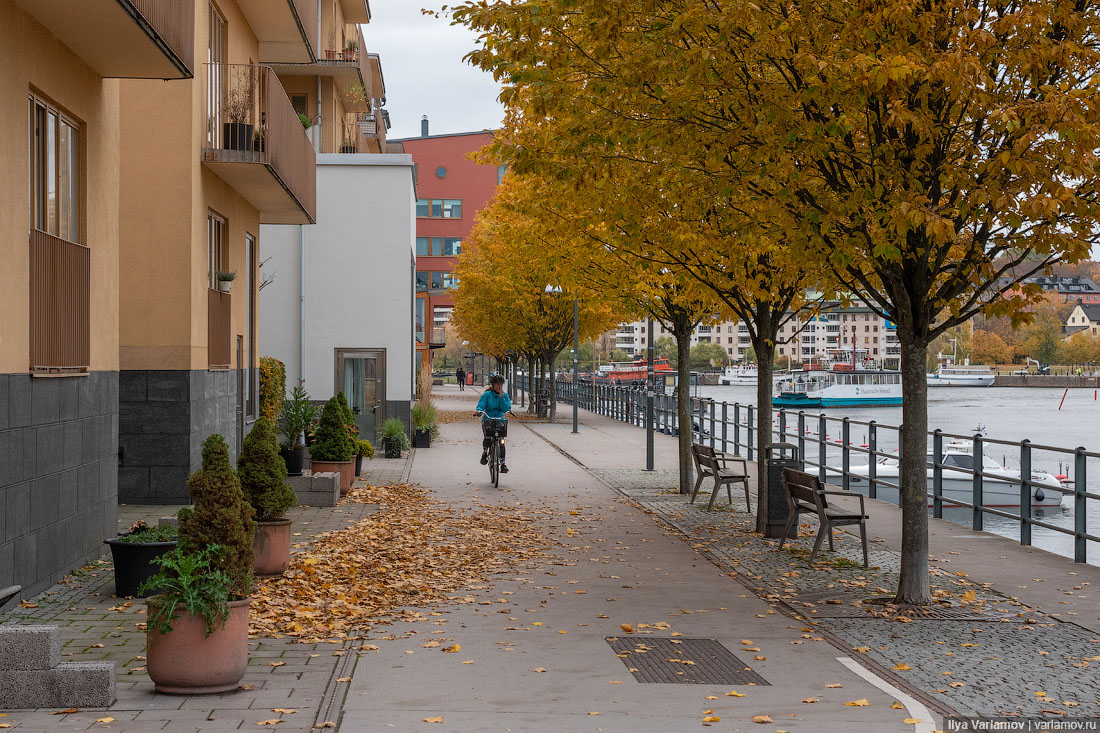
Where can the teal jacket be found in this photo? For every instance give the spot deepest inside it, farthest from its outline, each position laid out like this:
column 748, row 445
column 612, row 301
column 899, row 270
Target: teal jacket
column 494, row 405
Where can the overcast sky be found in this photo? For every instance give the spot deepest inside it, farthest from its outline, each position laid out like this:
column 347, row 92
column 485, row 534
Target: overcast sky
column 424, row 71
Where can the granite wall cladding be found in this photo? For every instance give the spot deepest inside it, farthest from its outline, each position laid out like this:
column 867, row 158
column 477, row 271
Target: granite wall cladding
column 58, row 475
column 163, row 418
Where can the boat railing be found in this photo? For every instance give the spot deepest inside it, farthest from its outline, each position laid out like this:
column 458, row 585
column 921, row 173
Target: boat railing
column 831, row 446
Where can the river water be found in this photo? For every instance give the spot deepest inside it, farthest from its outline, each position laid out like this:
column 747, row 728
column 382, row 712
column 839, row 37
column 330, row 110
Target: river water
column 1006, row 413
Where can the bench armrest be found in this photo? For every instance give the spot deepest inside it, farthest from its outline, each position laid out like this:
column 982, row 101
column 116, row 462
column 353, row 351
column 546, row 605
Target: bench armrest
column 727, row 458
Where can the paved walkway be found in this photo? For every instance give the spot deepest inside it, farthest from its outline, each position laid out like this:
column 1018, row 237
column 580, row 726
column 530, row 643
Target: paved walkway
column 545, row 645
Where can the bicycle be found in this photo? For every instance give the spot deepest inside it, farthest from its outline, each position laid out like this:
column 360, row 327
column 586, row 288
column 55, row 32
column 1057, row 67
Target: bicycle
column 498, row 428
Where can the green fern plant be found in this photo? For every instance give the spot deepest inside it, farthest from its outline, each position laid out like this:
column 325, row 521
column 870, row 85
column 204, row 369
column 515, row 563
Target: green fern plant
column 191, row 580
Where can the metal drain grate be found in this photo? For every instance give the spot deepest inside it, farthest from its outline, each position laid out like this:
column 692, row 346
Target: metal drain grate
column 682, row 661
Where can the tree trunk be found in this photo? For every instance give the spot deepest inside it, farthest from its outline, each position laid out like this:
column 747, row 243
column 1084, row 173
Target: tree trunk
column 913, row 585
column 683, row 403
column 553, row 388
column 765, row 359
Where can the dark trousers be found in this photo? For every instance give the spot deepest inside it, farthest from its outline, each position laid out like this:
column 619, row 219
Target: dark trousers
column 489, row 441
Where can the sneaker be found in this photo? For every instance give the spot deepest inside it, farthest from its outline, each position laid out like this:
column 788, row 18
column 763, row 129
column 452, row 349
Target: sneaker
column 484, row 458
column 503, row 468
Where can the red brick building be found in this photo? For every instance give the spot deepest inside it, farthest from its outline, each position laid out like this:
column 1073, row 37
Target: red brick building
column 450, row 190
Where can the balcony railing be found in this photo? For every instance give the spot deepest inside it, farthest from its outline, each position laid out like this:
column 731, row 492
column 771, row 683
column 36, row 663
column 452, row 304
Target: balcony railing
column 60, row 320
column 250, row 120
column 218, row 314
column 174, row 22
column 438, row 337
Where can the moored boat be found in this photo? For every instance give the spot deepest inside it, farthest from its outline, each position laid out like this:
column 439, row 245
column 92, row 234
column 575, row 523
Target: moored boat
column 841, row 386
column 954, row 375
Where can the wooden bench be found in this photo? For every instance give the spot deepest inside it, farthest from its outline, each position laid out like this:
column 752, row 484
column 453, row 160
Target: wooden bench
column 712, row 464
column 806, row 495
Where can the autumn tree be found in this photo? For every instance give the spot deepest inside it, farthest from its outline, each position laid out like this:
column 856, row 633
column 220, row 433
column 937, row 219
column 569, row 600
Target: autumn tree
column 989, row 348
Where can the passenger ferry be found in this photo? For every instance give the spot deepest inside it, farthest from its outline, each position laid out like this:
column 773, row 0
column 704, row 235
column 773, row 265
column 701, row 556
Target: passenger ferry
column 839, row 384
column 744, row 374
column 632, row 372
column 954, row 375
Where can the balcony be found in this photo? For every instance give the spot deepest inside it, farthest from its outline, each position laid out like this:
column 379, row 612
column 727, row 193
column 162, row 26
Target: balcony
column 355, row 133
column 60, row 285
column 256, row 144
column 219, row 311
column 356, row 11
column 437, row 337
column 132, row 39
column 284, row 28
column 343, row 57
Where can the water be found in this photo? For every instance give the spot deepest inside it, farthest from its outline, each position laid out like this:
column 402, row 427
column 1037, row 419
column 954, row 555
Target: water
column 1007, row 413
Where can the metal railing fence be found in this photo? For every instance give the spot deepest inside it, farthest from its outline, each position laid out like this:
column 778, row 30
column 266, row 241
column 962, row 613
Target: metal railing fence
column 826, row 446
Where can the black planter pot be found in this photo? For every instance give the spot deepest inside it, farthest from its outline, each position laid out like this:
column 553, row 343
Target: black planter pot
column 422, row 438
column 295, row 460
column 236, row 136
column 358, row 465
column 392, row 448
column 133, row 564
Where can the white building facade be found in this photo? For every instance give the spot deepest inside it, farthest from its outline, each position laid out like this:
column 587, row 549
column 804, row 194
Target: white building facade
column 339, row 308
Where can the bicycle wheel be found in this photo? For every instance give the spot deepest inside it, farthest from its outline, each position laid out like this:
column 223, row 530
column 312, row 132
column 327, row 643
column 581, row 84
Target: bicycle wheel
column 496, row 462
column 494, row 469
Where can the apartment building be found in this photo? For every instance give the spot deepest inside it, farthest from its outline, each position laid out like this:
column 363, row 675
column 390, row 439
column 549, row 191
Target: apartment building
column 204, row 162
column 838, row 326
column 61, row 214
column 451, row 189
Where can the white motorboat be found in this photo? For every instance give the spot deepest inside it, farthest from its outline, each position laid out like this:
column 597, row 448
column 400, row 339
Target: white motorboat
column 743, row 374
column 1000, row 485
column 954, row 375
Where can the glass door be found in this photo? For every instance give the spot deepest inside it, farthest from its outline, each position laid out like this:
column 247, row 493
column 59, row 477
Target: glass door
column 360, row 374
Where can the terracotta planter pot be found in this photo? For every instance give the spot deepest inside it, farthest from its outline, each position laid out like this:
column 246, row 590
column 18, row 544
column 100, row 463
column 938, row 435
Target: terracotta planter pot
column 346, row 469
column 271, row 548
column 187, row 662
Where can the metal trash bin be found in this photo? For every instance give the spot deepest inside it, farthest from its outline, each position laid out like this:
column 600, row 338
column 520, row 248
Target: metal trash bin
column 779, row 457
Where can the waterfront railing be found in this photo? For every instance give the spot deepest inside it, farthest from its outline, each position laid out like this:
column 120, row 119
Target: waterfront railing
column 826, row 444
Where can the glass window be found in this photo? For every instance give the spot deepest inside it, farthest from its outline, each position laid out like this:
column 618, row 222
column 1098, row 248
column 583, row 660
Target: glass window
column 441, row 172
column 423, row 207
column 423, row 280
column 451, row 246
column 437, row 208
column 501, row 170
column 452, row 208
column 437, row 279
column 437, row 246
column 422, row 246
column 215, row 248
column 55, row 172
column 449, row 280
column 419, row 317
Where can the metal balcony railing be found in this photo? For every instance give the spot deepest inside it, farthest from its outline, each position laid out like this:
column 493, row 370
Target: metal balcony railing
column 59, row 314
column 174, row 22
column 250, row 120
column 219, row 312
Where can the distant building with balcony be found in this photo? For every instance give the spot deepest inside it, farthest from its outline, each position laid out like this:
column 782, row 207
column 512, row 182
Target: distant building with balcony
column 61, row 213
column 204, row 163
column 451, row 189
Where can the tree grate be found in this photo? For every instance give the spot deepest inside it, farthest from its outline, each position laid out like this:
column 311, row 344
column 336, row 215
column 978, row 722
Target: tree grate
column 682, row 661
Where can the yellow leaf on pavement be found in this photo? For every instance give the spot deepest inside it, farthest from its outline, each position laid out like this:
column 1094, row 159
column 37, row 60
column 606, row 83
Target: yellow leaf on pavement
column 712, row 719
column 833, row 685
column 810, row 700
column 436, row 719
column 762, row 719
column 272, row 721
column 291, row 711
column 902, row 666
column 627, row 628
column 453, row 648
column 911, row 721
column 897, row 705
column 276, row 664
column 858, row 703
column 108, row 719
column 734, row 693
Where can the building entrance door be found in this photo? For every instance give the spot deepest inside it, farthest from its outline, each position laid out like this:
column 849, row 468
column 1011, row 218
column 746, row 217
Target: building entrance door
column 361, row 376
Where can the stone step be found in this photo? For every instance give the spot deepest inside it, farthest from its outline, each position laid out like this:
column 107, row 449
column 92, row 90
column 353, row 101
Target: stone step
column 29, row 647
column 318, row 489
column 68, row 685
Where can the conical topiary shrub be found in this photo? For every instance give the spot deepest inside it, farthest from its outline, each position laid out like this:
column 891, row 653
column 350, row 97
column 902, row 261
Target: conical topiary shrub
column 330, row 441
column 221, row 516
column 263, row 474
column 349, row 422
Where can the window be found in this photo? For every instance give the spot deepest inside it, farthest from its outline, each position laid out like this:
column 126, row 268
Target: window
column 420, row 302
column 251, row 382
column 501, row 170
column 449, row 280
column 423, row 280
column 299, row 103
column 423, row 246
column 439, row 208
column 452, row 246
column 55, row 172
column 441, row 172
column 215, row 248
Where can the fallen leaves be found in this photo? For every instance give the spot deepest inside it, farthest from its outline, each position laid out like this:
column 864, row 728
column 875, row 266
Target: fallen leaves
column 276, row 664
column 272, row 721
column 436, row 719
column 412, row 552
column 453, row 649
column 762, row 719
column 627, row 628
column 861, row 703
column 712, row 719
column 108, row 719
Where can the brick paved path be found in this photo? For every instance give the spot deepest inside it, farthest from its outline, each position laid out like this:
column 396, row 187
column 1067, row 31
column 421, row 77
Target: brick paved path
column 97, row 626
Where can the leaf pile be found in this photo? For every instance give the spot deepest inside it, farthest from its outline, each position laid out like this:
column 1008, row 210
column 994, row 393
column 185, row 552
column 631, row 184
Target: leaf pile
column 411, row 552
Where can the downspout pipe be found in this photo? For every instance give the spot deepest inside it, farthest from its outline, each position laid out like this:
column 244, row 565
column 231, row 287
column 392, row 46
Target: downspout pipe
column 302, row 303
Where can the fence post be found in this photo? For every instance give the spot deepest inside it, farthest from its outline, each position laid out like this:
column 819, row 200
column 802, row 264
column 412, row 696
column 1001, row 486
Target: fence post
column 1025, row 492
column 872, row 459
column 845, row 453
column 749, row 425
column 713, row 430
column 937, row 474
column 802, row 436
column 977, row 498
column 725, row 427
column 822, row 426
column 737, row 427
column 1080, row 486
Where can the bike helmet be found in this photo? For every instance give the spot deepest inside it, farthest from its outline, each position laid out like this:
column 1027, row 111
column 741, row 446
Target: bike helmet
column 495, row 378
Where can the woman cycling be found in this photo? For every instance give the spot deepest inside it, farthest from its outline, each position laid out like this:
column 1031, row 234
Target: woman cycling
column 494, row 405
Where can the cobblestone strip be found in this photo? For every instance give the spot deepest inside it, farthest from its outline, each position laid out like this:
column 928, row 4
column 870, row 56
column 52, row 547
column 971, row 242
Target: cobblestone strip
column 1001, row 658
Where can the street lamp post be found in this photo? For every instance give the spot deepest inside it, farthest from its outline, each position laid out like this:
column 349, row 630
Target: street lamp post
column 650, row 385
column 576, row 372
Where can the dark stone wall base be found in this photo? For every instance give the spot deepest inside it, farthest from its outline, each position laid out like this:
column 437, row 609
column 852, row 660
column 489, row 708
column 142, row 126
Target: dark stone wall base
column 163, row 418
column 58, row 475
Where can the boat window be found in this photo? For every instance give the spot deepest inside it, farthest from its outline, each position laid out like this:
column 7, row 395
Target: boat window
column 962, row 461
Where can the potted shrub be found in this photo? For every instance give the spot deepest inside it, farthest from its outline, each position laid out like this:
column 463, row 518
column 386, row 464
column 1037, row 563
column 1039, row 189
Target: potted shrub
column 197, row 633
column 331, row 450
column 306, row 121
column 263, row 481
column 366, row 450
column 350, row 48
column 297, row 418
column 134, row 551
column 425, row 425
column 225, row 280
column 394, row 438
column 236, row 108
column 348, row 146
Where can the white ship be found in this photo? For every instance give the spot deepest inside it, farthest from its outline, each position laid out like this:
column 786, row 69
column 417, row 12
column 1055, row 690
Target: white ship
column 744, row 374
column 951, row 374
